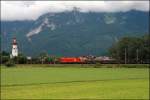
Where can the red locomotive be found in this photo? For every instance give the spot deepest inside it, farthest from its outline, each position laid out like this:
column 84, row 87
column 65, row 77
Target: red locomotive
column 70, row 60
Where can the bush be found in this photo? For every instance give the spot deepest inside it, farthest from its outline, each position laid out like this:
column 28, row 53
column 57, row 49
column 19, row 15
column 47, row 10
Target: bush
column 10, row 63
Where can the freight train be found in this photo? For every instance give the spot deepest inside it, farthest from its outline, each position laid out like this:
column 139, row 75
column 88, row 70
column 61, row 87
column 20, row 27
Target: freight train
column 85, row 60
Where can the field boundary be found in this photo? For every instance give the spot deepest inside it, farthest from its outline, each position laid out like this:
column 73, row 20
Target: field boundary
column 71, row 82
column 79, row 66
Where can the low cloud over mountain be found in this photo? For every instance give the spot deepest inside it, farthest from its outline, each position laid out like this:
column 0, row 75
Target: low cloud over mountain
column 31, row 10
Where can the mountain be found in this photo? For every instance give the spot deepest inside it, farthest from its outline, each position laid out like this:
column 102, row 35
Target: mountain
column 73, row 33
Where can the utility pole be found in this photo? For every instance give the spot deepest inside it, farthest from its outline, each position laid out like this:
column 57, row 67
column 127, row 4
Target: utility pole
column 137, row 55
column 42, row 60
column 125, row 56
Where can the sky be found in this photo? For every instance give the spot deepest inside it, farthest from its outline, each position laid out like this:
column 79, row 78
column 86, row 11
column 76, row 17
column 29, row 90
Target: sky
column 31, row 10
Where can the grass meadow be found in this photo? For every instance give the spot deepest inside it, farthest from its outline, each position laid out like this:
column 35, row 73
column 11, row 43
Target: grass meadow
column 73, row 82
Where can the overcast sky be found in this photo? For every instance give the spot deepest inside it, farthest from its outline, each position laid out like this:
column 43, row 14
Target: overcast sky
column 31, row 10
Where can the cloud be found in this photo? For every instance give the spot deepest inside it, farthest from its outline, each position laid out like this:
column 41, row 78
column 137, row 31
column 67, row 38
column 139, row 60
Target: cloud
column 31, row 10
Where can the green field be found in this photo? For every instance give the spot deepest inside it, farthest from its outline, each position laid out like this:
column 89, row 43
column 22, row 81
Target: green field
column 74, row 83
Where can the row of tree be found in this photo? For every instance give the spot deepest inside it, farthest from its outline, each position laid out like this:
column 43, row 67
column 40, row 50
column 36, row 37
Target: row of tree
column 132, row 50
column 42, row 58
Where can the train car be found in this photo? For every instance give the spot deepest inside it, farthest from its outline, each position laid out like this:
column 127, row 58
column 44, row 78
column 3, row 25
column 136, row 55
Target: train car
column 105, row 60
column 70, row 60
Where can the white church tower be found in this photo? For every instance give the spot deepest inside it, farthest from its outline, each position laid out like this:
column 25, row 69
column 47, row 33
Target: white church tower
column 14, row 48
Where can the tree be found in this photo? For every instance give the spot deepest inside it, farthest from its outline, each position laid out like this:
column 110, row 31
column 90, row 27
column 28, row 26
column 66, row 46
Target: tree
column 4, row 57
column 131, row 50
column 22, row 59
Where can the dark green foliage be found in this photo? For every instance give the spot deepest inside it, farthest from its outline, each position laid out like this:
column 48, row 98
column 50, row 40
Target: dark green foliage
column 4, row 57
column 137, row 50
column 10, row 63
column 4, row 53
column 34, row 61
column 22, row 59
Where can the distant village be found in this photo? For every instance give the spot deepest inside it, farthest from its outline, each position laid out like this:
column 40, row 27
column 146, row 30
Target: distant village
column 121, row 53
